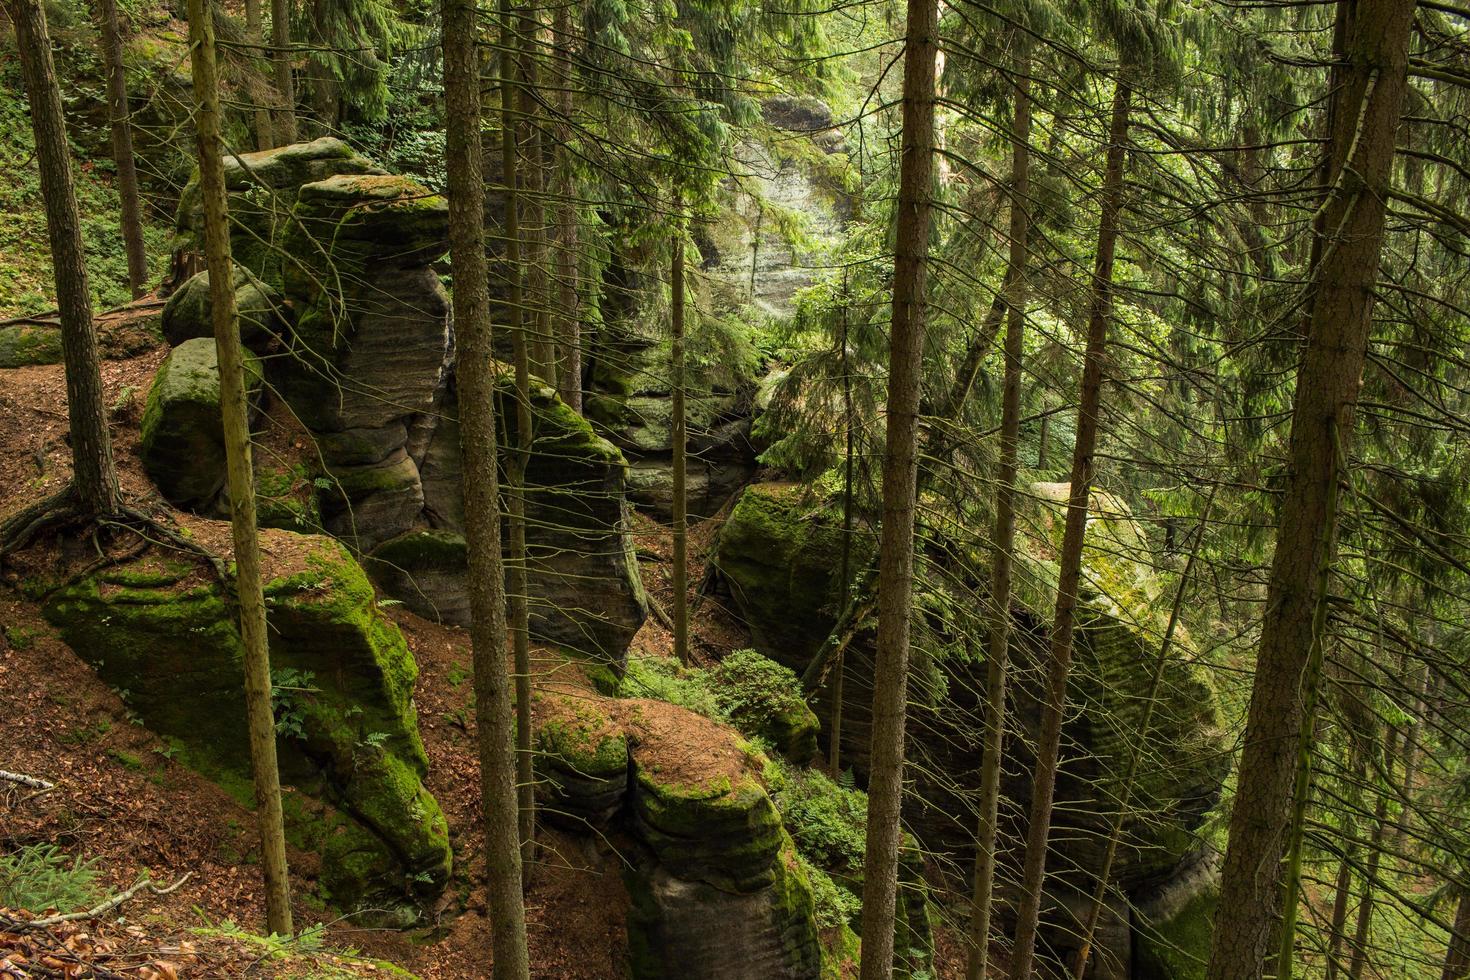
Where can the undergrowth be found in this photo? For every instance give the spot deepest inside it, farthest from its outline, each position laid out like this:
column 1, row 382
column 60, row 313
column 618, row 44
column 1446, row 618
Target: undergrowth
column 42, row 877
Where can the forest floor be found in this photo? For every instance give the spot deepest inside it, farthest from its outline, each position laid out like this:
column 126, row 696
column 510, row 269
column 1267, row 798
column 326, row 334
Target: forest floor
column 121, row 800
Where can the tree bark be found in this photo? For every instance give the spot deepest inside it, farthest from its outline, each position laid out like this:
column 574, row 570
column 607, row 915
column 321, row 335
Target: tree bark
column 900, row 471
column 568, row 308
column 93, row 476
column 464, row 170
column 261, row 117
column 122, row 146
column 285, row 84
column 1381, row 830
column 1457, row 956
column 234, row 411
column 1014, row 290
column 513, row 40
column 1365, row 120
column 678, row 441
column 1044, row 778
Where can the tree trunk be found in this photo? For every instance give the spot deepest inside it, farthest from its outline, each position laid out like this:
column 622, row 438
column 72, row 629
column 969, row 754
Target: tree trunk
column 265, row 136
column 537, row 317
column 1343, row 887
column 900, row 471
column 520, row 458
column 1365, row 121
column 285, row 84
column 1381, row 830
column 834, row 745
column 235, row 413
column 122, row 146
column 568, row 333
column 677, row 440
column 1457, row 956
column 94, row 478
column 1306, row 738
column 1014, row 291
column 464, row 170
column 1044, row 778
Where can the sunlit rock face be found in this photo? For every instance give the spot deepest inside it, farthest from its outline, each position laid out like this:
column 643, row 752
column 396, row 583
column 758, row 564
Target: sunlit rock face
column 779, row 553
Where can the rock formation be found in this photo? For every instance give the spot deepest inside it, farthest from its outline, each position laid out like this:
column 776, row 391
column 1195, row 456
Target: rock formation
column 160, row 628
column 778, row 554
column 716, row 890
column 365, row 362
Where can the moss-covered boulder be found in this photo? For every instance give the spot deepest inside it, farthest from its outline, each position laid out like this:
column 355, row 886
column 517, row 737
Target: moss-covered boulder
column 181, row 439
column 779, row 553
column 23, row 344
column 1172, row 932
column 262, row 312
column 161, row 629
column 263, row 188
column 583, row 757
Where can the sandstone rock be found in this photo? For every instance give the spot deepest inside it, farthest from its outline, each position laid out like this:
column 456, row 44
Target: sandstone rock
column 349, row 744
column 262, row 188
column 586, row 595
column 779, row 553
column 24, row 344
column 181, row 439
column 263, row 315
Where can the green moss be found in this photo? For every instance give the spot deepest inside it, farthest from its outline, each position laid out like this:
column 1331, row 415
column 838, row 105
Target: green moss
column 355, row 755
column 763, row 698
column 25, row 344
column 1177, row 948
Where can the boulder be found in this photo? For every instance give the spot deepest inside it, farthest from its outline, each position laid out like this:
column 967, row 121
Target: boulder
column 181, row 439
column 24, row 344
column 779, row 552
column 162, row 629
column 262, row 312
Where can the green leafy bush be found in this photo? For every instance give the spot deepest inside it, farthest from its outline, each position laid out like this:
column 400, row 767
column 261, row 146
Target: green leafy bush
column 827, row 821
column 41, row 877
column 750, row 687
column 835, row 906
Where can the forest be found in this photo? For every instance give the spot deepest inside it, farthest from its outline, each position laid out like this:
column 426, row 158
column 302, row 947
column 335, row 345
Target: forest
column 735, row 489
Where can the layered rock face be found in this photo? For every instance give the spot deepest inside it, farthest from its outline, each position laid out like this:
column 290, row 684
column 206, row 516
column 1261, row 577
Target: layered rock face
column 357, row 323
column 779, row 553
column 716, row 890
column 161, row 628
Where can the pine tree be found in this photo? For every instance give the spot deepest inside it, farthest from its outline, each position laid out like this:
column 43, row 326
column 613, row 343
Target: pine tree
column 122, row 146
column 900, row 472
column 94, row 479
column 475, row 374
column 235, row 413
column 1365, row 118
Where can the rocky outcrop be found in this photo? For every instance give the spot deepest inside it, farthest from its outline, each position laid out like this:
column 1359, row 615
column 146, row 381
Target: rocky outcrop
column 778, row 554
column 161, row 629
column 366, row 364
column 716, row 889
column 585, row 595
column 263, row 316
column 181, row 440
column 263, row 188
column 24, row 344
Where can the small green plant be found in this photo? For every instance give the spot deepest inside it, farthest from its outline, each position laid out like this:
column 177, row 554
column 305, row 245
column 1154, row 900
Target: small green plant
column 19, row 637
column 835, row 905
column 42, row 876
column 827, row 821
column 458, row 675
column 289, row 688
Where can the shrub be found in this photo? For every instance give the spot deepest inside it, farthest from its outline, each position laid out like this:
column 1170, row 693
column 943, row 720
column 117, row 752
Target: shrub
column 752, row 688
column 827, row 821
